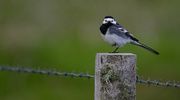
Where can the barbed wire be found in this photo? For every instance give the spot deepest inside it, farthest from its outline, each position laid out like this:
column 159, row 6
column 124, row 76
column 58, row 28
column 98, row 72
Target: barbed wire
column 81, row 75
column 49, row 72
column 167, row 84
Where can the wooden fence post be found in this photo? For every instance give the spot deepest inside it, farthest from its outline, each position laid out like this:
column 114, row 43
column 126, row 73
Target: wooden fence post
column 115, row 76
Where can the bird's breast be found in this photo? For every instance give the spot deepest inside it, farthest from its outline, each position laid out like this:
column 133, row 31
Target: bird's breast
column 115, row 40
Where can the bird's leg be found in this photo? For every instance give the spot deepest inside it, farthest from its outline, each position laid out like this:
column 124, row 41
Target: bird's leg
column 114, row 50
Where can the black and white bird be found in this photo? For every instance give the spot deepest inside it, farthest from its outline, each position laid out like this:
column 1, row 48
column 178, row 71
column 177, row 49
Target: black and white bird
column 115, row 35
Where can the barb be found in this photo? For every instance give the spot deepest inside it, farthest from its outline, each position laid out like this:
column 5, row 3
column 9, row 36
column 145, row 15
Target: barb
column 167, row 84
column 49, row 72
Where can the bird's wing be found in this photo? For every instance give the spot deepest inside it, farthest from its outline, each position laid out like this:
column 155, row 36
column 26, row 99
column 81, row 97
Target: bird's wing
column 113, row 29
column 131, row 36
column 126, row 32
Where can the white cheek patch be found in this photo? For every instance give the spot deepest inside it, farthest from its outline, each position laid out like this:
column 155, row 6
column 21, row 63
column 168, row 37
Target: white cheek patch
column 122, row 30
column 114, row 22
column 104, row 22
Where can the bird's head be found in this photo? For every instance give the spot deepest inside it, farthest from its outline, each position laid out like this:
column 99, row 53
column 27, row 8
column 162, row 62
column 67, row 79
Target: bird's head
column 109, row 20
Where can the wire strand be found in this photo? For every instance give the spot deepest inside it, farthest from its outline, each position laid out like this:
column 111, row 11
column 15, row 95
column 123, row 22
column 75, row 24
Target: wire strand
column 81, row 75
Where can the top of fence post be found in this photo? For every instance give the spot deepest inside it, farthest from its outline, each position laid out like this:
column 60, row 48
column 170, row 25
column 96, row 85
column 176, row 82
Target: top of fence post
column 115, row 76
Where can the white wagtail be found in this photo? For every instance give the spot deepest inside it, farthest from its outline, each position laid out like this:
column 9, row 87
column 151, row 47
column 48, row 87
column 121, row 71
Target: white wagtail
column 115, row 35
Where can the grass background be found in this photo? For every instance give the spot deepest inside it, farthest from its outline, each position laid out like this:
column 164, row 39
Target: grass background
column 64, row 34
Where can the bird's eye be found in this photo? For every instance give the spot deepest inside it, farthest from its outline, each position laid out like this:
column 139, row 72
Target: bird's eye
column 111, row 20
column 105, row 20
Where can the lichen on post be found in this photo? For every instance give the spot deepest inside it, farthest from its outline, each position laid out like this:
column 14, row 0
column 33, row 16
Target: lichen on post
column 115, row 76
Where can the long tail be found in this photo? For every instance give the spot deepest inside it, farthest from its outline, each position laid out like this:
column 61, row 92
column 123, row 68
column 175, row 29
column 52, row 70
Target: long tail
column 145, row 47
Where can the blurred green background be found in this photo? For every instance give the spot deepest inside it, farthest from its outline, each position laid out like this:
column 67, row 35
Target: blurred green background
column 64, row 34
